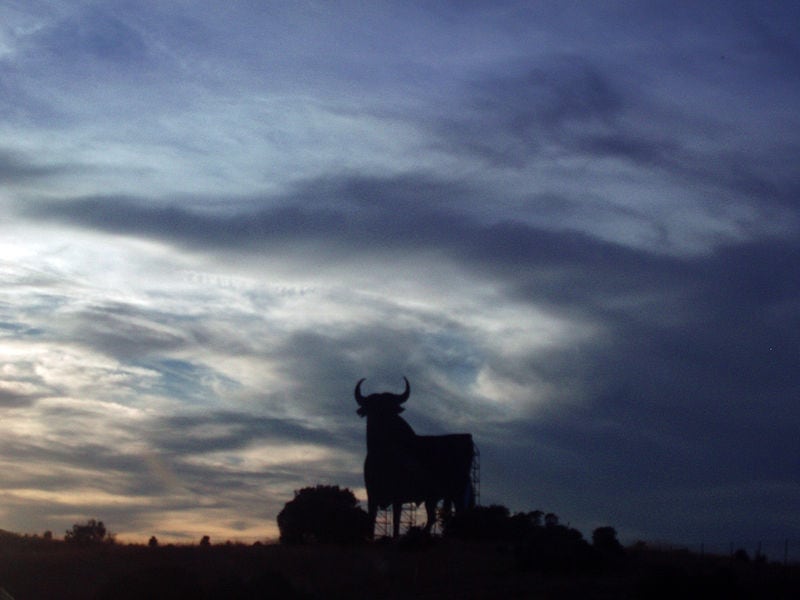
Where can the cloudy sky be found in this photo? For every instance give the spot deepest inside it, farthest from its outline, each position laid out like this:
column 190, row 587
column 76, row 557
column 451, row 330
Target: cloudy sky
column 572, row 225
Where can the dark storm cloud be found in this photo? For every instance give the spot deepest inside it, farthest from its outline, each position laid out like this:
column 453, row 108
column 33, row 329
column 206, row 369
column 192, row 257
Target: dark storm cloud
column 185, row 439
column 573, row 106
column 226, row 430
column 18, row 168
column 371, row 217
column 93, row 34
column 89, row 456
column 12, row 399
column 508, row 121
column 770, row 34
column 567, row 270
column 346, row 354
column 716, row 327
column 684, row 392
column 127, row 216
column 144, row 335
column 124, row 331
column 67, row 67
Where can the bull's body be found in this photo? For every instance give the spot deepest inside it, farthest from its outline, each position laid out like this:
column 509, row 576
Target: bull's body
column 402, row 466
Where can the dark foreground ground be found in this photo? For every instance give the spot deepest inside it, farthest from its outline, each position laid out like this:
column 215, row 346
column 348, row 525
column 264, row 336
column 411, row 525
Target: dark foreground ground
column 435, row 569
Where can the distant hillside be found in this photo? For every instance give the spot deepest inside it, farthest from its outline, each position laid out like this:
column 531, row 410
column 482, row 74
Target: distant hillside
column 9, row 535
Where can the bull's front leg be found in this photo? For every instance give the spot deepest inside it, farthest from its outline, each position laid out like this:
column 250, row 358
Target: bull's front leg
column 397, row 512
column 372, row 508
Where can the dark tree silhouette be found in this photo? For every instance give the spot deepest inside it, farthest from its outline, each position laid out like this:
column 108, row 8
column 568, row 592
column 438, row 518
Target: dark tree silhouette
column 741, row 555
column 323, row 514
column 495, row 522
column 604, row 539
column 480, row 523
column 91, row 533
column 522, row 524
column 535, row 517
column 548, row 548
column 153, row 542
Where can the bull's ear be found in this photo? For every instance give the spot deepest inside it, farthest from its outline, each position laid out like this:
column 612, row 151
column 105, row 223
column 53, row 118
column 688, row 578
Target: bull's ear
column 362, row 412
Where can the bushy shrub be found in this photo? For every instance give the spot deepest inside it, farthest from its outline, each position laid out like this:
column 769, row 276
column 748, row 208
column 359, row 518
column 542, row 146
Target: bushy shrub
column 604, row 539
column 323, row 514
column 92, row 532
column 480, row 523
column 548, row 547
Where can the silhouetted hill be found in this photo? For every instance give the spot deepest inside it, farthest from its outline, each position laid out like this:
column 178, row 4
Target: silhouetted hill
column 6, row 536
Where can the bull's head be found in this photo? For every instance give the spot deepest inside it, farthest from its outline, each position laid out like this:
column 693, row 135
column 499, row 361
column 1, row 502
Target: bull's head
column 384, row 402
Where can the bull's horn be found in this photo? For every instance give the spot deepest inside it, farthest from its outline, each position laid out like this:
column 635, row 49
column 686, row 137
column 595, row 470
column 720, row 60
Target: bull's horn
column 404, row 396
column 359, row 397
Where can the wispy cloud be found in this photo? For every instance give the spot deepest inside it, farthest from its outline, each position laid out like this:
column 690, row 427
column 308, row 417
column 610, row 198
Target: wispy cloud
column 573, row 229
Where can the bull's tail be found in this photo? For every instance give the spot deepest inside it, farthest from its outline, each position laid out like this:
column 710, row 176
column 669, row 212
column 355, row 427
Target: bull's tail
column 469, row 495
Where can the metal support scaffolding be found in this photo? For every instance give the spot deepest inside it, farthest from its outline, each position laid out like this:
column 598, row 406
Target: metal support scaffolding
column 475, row 475
column 383, row 526
column 385, row 516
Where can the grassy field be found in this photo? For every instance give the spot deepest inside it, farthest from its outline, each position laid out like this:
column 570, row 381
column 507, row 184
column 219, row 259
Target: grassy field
column 36, row 569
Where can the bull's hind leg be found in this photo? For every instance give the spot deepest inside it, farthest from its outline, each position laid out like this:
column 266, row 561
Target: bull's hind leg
column 397, row 513
column 372, row 508
column 430, row 510
column 447, row 511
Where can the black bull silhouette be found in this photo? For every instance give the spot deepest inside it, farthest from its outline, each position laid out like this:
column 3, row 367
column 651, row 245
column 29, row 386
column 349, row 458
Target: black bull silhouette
column 402, row 466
